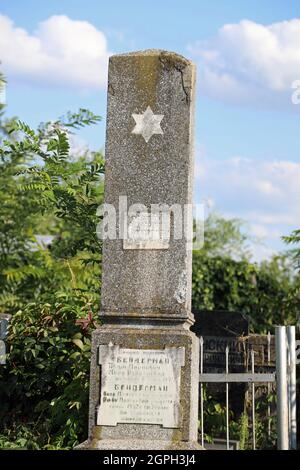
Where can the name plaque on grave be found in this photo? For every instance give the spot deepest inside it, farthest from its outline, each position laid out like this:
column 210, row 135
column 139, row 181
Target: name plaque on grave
column 140, row 386
column 148, row 231
column 214, row 348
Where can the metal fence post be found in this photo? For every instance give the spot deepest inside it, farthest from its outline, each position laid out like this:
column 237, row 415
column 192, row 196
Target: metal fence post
column 253, row 403
column 282, row 395
column 269, row 385
column 291, row 337
column 201, row 393
column 227, row 396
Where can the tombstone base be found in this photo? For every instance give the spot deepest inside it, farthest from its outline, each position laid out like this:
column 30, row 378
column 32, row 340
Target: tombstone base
column 120, row 444
column 133, row 433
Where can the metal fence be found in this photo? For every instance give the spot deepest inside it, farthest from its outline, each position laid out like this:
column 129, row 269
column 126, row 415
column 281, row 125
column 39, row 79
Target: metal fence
column 285, row 379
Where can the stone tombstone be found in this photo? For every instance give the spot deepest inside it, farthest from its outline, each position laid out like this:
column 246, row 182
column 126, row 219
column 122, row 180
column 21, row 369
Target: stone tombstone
column 145, row 359
column 4, row 322
column 219, row 329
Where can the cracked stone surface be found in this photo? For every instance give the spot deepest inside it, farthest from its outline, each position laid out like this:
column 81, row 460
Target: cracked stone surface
column 156, row 168
column 146, row 293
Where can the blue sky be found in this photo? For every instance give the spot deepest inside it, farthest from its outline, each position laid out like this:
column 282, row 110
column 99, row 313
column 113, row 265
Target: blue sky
column 248, row 56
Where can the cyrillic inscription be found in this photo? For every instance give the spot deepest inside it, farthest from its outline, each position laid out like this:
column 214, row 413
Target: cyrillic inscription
column 140, row 386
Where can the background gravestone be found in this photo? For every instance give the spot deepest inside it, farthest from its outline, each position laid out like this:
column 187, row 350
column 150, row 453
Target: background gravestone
column 144, row 370
column 4, row 322
column 220, row 329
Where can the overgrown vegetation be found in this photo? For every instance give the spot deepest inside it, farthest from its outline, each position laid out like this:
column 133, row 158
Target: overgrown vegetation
column 52, row 289
column 225, row 279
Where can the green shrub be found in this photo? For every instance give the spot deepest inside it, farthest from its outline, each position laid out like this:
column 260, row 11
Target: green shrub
column 44, row 385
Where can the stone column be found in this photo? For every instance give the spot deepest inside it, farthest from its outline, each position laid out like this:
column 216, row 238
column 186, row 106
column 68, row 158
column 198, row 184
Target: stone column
column 144, row 370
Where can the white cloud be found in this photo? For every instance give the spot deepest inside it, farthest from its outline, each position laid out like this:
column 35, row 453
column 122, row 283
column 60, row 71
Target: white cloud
column 61, row 52
column 249, row 62
column 264, row 231
column 264, row 193
column 253, row 183
column 261, row 252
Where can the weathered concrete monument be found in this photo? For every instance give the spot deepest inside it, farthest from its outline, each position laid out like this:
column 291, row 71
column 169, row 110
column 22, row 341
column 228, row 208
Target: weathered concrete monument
column 144, row 369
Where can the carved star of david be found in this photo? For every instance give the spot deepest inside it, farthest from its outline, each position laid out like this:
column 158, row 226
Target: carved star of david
column 147, row 124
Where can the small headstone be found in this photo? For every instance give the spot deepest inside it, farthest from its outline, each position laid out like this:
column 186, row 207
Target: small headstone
column 4, row 321
column 264, row 352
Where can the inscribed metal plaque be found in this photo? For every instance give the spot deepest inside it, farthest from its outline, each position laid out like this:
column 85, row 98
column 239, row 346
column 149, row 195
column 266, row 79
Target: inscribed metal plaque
column 140, row 386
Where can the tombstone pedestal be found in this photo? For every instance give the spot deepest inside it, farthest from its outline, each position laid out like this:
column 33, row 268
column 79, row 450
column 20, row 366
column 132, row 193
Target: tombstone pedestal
column 160, row 397
column 144, row 370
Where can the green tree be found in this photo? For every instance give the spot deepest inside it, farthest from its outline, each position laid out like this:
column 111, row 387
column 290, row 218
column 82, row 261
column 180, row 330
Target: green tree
column 224, row 278
column 57, row 196
column 51, row 291
column 226, row 237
